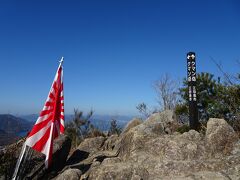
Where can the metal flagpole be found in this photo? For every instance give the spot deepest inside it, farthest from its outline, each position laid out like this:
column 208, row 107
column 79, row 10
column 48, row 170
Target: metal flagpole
column 25, row 163
column 15, row 174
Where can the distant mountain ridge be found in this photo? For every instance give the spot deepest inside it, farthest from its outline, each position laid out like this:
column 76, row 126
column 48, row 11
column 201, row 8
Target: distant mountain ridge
column 11, row 127
column 30, row 117
column 12, row 124
column 100, row 121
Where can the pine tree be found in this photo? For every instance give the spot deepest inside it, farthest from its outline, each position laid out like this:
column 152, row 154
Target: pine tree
column 215, row 99
column 114, row 129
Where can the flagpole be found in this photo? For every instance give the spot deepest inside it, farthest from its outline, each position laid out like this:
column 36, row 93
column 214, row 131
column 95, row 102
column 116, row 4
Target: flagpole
column 19, row 161
column 61, row 61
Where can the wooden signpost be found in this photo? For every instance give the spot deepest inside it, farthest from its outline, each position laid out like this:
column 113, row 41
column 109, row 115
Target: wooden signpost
column 192, row 91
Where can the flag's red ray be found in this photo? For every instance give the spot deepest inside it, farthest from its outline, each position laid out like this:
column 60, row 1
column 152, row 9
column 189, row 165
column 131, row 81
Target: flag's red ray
column 39, row 126
column 39, row 144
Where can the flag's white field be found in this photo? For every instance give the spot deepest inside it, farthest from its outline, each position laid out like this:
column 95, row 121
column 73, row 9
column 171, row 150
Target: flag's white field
column 50, row 122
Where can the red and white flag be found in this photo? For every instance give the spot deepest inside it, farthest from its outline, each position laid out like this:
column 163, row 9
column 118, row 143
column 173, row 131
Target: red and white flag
column 50, row 122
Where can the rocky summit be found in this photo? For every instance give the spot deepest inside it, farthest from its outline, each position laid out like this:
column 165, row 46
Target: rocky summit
column 152, row 149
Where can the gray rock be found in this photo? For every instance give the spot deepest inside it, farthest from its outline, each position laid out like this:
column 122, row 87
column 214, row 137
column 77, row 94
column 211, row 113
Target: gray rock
column 220, row 136
column 86, row 149
column 120, row 171
column 187, row 146
column 69, row 174
column 111, row 160
column 131, row 124
column 92, row 145
column 110, row 143
column 135, row 138
column 206, row 175
column 34, row 166
column 61, row 149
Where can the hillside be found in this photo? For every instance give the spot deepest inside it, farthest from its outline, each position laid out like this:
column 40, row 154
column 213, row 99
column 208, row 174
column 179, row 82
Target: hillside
column 6, row 139
column 11, row 127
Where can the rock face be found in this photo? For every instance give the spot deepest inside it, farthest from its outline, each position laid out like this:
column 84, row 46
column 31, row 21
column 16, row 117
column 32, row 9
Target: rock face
column 148, row 151
column 132, row 124
column 70, row 174
column 92, row 145
column 61, row 149
column 220, row 136
column 35, row 167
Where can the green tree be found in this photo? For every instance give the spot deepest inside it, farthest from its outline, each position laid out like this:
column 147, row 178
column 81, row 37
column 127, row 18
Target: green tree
column 207, row 95
column 114, row 129
column 215, row 99
column 79, row 127
column 230, row 95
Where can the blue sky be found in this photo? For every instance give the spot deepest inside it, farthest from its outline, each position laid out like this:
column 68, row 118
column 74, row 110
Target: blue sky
column 114, row 50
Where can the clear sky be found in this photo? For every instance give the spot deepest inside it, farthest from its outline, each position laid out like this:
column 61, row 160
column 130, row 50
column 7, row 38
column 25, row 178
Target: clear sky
column 114, row 50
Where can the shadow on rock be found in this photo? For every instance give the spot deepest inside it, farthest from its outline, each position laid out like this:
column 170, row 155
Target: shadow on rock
column 77, row 156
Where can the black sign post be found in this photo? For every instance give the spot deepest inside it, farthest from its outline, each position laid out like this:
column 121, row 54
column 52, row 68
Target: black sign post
column 192, row 91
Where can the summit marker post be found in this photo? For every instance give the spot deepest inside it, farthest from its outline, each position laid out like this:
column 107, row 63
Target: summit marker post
column 192, row 91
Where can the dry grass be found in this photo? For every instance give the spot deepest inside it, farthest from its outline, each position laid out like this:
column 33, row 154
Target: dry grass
column 133, row 123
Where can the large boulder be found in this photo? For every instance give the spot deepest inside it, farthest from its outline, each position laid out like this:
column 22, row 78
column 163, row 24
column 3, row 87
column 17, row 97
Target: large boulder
column 8, row 158
column 92, row 145
column 69, row 174
column 220, row 136
column 119, row 171
column 131, row 124
column 61, row 149
column 87, row 148
column 134, row 138
column 165, row 119
column 110, row 142
column 34, row 166
column 179, row 147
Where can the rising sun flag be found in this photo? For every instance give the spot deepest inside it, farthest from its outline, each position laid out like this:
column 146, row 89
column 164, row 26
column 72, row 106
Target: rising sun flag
column 50, row 123
column 51, row 120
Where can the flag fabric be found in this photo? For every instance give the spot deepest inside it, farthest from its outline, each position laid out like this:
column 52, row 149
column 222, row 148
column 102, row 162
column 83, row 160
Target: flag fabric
column 50, row 122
